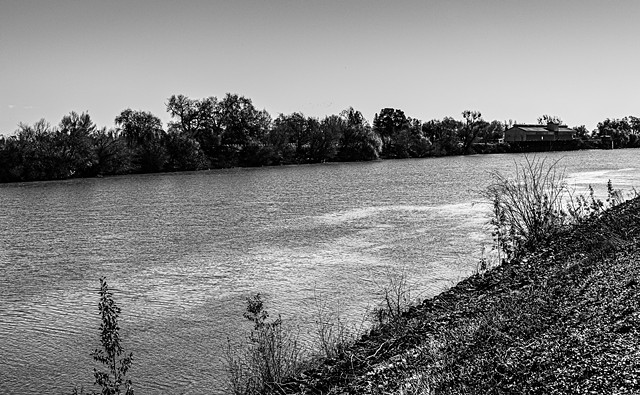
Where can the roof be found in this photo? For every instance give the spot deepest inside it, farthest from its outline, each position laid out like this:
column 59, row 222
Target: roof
column 541, row 128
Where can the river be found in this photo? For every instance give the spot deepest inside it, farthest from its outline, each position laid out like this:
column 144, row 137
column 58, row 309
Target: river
column 183, row 251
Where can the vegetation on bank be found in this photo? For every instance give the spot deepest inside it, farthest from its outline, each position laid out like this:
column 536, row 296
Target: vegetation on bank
column 564, row 318
column 558, row 312
column 217, row 133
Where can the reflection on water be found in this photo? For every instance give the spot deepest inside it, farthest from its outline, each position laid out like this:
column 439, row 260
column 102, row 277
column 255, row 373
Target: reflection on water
column 183, row 251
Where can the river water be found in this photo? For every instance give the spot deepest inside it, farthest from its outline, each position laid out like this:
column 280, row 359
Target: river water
column 183, row 251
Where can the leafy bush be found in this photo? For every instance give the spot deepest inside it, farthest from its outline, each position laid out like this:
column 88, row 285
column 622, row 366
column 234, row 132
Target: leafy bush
column 113, row 381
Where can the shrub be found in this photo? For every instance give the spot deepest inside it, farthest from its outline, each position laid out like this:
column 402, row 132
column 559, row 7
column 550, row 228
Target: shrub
column 536, row 202
column 333, row 334
column 528, row 206
column 114, row 381
column 273, row 353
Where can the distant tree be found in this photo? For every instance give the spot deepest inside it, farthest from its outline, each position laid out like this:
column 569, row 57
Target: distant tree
column 494, row 131
column 32, row 151
column 324, row 138
column 139, row 127
column 620, row 131
column 634, row 123
column 581, row 132
column 196, row 119
column 358, row 141
column 112, row 155
column 11, row 160
column 444, row 135
column 74, row 142
column 409, row 141
column 45, row 152
column 545, row 119
column 240, row 121
column 144, row 135
column 472, row 127
column 392, row 126
column 634, row 134
column 183, row 153
column 290, row 136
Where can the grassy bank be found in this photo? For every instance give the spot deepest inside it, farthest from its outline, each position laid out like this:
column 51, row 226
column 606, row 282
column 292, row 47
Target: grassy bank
column 562, row 318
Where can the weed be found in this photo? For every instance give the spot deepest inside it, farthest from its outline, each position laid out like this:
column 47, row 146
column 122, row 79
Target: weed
column 332, row 332
column 528, row 206
column 272, row 353
column 396, row 297
column 536, row 203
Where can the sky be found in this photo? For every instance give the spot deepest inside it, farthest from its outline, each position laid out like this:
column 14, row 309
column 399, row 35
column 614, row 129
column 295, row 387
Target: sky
column 510, row 60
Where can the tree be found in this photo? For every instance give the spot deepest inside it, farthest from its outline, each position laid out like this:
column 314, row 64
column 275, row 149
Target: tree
column 545, row 119
column 74, row 142
column 620, row 131
column 358, row 141
column 582, row 132
column 493, row 131
column 240, row 121
column 33, row 147
column 139, row 127
column 112, row 155
column 324, row 137
column 144, row 135
column 472, row 127
column 389, row 124
column 413, row 140
column 11, row 160
column 196, row 119
column 183, row 153
column 291, row 133
column 444, row 135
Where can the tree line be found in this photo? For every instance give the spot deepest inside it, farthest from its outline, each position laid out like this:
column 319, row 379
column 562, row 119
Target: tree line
column 217, row 133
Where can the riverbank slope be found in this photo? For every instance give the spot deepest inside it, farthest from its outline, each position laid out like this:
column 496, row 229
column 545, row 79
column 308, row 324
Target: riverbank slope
column 563, row 319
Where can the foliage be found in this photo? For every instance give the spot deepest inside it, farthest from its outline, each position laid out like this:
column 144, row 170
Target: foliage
column 74, row 141
column 114, row 381
column 390, row 125
column 112, row 354
column 139, row 128
column 473, row 127
column 112, row 155
column 528, row 206
column 445, row 135
column 562, row 321
column 358, row 141
column 290, row 136
column 272, row 354
column 536, row 203
column 625, row 132
column 241, row 123
column 231, row 131
column 582, row 132
column 545, row 119
column 323, row 138
column 183, row 153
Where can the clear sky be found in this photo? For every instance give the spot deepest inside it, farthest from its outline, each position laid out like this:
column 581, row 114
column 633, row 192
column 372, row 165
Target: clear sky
column 509, row 59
